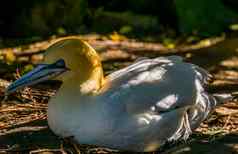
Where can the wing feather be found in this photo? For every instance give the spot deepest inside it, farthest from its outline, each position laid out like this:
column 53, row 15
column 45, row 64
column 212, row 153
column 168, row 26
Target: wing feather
column 154, row 84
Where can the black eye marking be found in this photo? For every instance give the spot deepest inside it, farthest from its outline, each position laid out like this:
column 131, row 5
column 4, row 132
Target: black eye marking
column 60, row 63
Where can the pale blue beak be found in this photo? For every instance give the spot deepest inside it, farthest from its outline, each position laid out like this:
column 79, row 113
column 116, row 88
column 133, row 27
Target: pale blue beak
column 41, row 73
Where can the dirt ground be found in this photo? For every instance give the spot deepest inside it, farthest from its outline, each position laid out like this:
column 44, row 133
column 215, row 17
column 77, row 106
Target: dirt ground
column 23, row 125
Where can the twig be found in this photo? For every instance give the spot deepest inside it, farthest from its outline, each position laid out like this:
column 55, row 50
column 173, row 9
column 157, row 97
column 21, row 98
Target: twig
column 24, row 129
column 227, row 121
column 43, row 116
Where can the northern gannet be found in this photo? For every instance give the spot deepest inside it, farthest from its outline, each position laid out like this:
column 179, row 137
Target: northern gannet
column 137, row 108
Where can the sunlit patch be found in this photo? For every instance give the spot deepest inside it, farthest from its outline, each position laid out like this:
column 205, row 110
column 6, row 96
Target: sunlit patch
column 152, row 146
column 170, row 64
column 149, row 76
column 156, row 74
column 153, row 108
column 139, row 79
column 147, row 118
column 167, row 101
column 143, row 121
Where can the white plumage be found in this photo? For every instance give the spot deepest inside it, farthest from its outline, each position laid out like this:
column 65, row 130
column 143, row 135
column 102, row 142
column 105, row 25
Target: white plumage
column 144, row 105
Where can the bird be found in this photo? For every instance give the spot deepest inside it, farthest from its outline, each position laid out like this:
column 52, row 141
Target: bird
column 137, row 108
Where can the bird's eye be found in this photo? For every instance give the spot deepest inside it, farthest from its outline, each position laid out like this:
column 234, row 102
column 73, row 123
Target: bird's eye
column 60, row 63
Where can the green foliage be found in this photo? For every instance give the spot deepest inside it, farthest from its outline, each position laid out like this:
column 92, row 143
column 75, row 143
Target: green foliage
column 124, row 22
column 75, row 12
column 129, row 17
column 234, row 27
column 203, row 17
column 126, row 29
column 47, row 17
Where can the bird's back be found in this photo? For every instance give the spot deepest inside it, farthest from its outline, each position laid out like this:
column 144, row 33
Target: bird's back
column 163, row 83
column 154, row 101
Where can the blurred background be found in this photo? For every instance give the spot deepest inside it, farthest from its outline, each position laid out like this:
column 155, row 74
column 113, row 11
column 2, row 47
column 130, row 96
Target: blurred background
column 133, row 18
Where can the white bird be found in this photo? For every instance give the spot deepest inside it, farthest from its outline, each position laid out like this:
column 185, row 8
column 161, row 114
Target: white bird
column 137, row 108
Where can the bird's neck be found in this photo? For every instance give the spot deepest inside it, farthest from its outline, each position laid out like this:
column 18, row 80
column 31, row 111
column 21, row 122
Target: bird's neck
column 80, row 85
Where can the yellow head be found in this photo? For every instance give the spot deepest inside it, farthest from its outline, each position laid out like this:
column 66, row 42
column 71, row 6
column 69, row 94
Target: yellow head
column 84, row 70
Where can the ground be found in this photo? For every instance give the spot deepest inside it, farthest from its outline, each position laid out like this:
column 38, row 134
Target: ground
column 23, row 126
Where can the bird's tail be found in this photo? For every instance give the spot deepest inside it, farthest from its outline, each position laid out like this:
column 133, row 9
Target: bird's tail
column 206, row 103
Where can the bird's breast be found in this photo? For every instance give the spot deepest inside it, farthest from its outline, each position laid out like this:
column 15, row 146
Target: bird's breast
column 86, row 120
